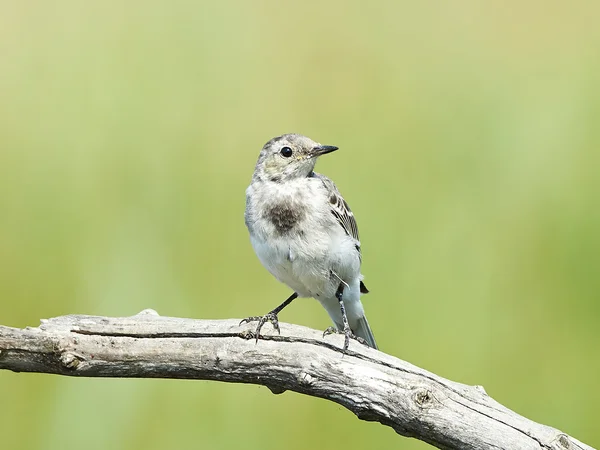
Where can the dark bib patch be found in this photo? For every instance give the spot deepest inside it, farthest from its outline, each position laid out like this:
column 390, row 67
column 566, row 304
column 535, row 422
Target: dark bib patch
column 284, row 216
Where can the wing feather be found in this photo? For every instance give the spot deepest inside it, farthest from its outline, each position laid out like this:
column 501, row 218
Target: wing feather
column 340, row 209
column 345, row 217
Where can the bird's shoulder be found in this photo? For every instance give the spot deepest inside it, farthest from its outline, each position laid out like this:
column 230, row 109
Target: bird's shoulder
column 325, row 181
column 326, row 186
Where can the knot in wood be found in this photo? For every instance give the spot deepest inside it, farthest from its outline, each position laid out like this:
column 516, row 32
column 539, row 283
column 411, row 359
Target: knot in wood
column 305, row 379
column 562, row 442
column 70, row 360
column 247, row 334
column 423, row 397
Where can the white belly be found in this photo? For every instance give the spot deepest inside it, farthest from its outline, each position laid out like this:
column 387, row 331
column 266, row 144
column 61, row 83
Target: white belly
column 310, row 265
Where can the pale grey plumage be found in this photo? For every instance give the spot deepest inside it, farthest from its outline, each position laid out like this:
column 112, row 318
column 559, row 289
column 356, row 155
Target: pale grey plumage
column 304, row 233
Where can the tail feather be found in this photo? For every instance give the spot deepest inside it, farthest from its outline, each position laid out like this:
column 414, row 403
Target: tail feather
column 354, row 312
column 363, row 288
column 363, row 330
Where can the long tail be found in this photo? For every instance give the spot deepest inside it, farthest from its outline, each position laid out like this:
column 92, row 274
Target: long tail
column 354, row 312
column 363, row 330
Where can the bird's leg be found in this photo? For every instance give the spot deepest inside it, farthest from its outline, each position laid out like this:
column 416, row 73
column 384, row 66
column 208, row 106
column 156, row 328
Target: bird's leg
column 347, row 331
column 269, row 317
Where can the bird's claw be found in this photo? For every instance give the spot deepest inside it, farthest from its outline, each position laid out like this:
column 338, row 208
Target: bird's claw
column 348, row 334
column 269, row 317
column 330, row 330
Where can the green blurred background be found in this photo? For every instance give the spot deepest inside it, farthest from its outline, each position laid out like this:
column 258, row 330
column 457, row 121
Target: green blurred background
column 469, row 135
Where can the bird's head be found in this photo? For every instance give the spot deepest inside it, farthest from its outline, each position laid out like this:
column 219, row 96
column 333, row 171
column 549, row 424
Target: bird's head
column 289, row 156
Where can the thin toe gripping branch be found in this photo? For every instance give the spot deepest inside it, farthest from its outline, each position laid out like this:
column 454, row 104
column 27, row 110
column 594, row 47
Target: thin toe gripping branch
column 269, row 317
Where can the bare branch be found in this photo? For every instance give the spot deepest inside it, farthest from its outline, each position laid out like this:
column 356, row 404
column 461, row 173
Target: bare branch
column 373, row 385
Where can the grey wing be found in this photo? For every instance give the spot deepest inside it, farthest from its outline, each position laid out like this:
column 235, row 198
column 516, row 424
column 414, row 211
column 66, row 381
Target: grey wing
column 343, row 214
column 340, row 209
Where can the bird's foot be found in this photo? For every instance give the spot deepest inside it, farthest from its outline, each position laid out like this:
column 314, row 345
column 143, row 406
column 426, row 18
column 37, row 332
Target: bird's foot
column 348, row 334
column 269, row 317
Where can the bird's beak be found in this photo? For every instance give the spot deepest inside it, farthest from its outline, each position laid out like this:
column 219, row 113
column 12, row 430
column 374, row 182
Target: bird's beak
column 322, row 150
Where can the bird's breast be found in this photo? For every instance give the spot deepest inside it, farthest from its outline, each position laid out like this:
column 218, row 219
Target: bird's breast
column 284, row 216
column 286, row 209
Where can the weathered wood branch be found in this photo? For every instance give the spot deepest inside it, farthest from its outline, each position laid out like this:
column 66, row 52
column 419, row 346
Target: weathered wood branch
column 373, row 385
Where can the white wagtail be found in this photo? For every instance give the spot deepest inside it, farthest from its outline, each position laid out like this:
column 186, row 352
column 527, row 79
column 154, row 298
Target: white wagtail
column 304, row 233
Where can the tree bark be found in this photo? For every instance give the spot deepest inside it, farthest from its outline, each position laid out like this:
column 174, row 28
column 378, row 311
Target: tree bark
column 373, row 385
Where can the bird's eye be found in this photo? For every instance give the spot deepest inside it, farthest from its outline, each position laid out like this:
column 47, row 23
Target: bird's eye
column 286, row 151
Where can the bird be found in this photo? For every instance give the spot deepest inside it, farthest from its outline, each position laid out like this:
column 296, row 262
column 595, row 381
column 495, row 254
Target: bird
column 306, row 236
